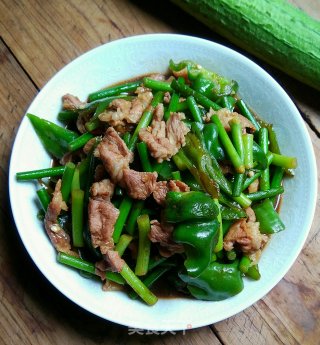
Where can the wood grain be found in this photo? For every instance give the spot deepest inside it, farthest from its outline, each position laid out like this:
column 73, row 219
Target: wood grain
column 44, row 39
column 32, row 311
column 39, row 38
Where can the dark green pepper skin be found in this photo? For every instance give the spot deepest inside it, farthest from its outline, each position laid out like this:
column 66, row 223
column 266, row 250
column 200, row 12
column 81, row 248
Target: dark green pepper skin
column 54, row 138
column 185, row 206
column 164, row 169
column 232, row 213
column 188, row 178
column 199, row 240
column 216, row 283
column 221, row 85
column 268, row 217
column 212, row 143
column 208, row 136
column 204, row 86
column 259, row 156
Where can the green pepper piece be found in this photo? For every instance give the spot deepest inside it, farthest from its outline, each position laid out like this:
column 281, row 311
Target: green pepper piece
column 188, row 179
column 204, row 86
column 164, row 169
column 268, row 217
column 199, row 240
column 222, row 85
column 232, row 213
column 216, row 283
column 54, row 138
column 212, row 143
column 205, row 164
column 184, row 206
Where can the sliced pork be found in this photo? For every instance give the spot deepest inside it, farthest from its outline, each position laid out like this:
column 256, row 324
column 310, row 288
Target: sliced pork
column 245, row 234
column 162, row 234
column 114, row 155
column 121, row 111
column 164, row 139
column 102, row 216
column 59, row 238
column 139, row 185
column 103, row 189
column 70, row 102
column 225, row 115
column 163, row 187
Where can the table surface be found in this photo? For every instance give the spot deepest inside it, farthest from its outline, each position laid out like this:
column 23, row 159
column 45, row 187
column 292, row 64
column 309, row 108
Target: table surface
column 37, row 39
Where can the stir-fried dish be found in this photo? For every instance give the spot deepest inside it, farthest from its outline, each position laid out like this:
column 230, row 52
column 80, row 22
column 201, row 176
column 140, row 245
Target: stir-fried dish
column 162, row 178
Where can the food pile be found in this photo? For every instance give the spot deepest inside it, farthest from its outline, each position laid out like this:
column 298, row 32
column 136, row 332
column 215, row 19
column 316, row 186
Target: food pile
column 165, row 177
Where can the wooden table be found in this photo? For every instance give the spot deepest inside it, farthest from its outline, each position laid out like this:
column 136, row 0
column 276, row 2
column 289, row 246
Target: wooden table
column 37, row 39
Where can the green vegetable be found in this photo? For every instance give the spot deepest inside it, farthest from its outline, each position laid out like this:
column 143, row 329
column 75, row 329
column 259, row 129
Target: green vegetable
column 44, row 198
column 137, row 285
column 144, row 245
column 144, row 156
column 221, row 85
column 156, row 85
column 114, row 90
column 194, row 109
column 253, row 272
column 55, row 139
column 151, row 278
column 75, row 183
column 187, row 91
column 273, row 30
column 264, row 144
column 124, row 209
column 248, row 150
column 228, row 145
column 145, row 119
column 163, row 169
column 80, row 141
column 212, row 142
column 67, row 116
column 41, row 173
column 176, row 175
column 134, row 214
column 259, row 156
column 237, row 184
column 217, row 282
column 236, row 135
column 185, row 206
column 86, row 266
column 251, row 179
column 244, row 264
column 232, row 212
column 268, row 217
column 173, row 106
column 67, row 178
column 284, row 161
column 265, row 194
column 123, row 243
column 199, row 240
column 77, row 197
column 219, row 245
column 228, row 102
column 200, row 164
column 245, row 111
column 204, row 86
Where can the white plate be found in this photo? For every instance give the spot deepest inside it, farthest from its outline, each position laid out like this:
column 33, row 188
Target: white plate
column 126, row 58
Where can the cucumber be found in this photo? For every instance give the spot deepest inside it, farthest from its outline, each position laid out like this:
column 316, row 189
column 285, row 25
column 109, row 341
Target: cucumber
column 273, row 30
